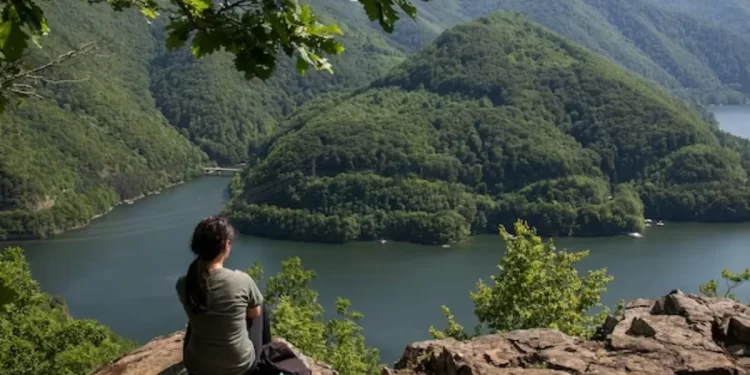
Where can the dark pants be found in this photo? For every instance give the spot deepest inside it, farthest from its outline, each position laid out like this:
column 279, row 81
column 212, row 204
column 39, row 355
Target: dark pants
column 260, row 333
column 258, row 329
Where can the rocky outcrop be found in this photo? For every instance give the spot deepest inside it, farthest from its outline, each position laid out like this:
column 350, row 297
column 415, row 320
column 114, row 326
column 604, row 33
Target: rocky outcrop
column 677, row 334
column 163, row 356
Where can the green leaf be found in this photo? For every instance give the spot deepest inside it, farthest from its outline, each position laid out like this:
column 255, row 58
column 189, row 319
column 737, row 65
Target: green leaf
column 178, row 33
column 199, row 5
column 12, row 40
column 372, row 9
column 203, row 45
column 408, row 8
column 302, row 66
column 149, row 13
column 306, row 16
column 326, row 30
column 338, row 48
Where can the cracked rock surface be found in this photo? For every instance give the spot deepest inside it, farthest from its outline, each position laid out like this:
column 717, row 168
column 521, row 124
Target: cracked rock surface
column 677, row 334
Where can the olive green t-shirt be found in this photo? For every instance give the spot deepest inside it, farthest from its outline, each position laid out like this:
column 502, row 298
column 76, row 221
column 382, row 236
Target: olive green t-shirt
column 219, row 343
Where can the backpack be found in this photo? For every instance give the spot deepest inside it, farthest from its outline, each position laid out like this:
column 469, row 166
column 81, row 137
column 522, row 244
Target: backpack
column 276, row 358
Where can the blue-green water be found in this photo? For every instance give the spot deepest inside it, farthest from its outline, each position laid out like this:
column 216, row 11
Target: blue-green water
column 121, row 269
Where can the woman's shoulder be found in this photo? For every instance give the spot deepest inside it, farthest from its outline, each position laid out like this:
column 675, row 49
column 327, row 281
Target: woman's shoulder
column 228, row 273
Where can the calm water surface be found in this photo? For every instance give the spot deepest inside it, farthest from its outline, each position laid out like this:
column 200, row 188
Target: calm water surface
column 733, row 118
column 121, row 270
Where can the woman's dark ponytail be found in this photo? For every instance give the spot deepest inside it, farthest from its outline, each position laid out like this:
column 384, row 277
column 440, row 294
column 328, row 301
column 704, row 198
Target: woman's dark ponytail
column 196, row 285
column 210, row 238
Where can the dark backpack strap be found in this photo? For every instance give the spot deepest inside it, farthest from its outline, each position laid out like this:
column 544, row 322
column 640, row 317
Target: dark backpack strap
column 279, row 358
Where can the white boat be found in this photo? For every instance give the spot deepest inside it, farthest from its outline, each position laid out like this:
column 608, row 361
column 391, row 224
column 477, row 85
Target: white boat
column 128, row 201
column 383, row 241
column 649, row 221
column 660, row 224
column 446, row 246
column 635, row 235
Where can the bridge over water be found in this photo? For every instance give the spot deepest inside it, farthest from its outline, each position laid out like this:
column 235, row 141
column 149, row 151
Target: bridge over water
column 220, row 170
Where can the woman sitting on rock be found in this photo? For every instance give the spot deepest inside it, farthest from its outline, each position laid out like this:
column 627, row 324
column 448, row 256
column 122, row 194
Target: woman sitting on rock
column 227, row 324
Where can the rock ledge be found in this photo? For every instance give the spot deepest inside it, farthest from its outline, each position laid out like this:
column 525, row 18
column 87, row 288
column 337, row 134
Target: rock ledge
column 676, row 334
column 163, row 356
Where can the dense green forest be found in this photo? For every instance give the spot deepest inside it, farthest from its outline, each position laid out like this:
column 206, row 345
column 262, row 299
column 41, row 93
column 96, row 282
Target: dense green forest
column 93, row 140
column 498, row 119
column 693, row 58
column 730, row 14
column 109, row 135
column 227, row 116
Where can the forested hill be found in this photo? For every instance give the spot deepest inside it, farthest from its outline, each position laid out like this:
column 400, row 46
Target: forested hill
column 498, row 119
column 124, row 121
column 111, row 135
column 690, row 57
column 730, row 14
column 706, row 61
column 226, row 116
column 93, row 140
column 217, row 109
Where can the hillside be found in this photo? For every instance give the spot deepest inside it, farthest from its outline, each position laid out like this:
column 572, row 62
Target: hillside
column 226, row 115
column 498, row 119
column 682, row 52
column 93, row 142
column 730, row 14
column 131, row 121
column 689, row 57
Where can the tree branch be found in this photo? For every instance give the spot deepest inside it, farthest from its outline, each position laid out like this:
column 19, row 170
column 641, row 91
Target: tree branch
column 225, row 8
column 21, row 81
column 25, row 74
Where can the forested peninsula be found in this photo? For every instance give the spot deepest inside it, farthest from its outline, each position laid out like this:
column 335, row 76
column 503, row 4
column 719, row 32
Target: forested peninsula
column 498, row 119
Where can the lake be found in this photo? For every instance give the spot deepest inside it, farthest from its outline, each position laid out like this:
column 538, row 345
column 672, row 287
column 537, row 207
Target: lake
column 121, row 269
column 734, row 119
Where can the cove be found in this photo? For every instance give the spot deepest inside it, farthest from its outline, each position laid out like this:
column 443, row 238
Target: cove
column 121, row 269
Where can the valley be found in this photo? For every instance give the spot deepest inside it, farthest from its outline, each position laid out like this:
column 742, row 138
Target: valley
column 389, row 178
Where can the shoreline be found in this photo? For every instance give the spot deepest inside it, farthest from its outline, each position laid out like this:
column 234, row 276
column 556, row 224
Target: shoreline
column 28, row 237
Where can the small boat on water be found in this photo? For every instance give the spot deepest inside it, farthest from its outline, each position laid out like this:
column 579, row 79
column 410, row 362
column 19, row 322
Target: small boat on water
column 128, row 201
column 660, row 224
column 649, row 221
column 635, row 235
column 383, row 241
column 446, row 246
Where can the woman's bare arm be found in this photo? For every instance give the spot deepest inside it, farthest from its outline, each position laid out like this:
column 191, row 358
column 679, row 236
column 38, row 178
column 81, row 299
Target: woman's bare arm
column 254, row 312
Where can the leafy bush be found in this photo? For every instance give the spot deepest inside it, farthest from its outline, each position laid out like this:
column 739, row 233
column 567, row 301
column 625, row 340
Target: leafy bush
column 38, row 336
column 538, row 286
column 297, row 316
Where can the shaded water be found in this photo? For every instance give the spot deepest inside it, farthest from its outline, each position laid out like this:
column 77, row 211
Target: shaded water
column 121, row 269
